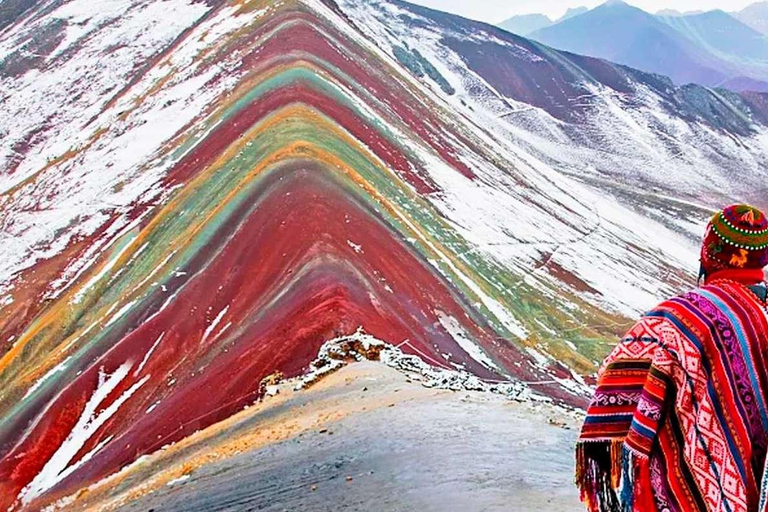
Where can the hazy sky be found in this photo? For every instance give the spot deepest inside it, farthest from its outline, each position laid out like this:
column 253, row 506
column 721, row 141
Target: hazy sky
column 494, row 11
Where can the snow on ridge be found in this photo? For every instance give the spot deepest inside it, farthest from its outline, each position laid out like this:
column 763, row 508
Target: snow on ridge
column 63, row 96
column 611, row 243
column 540, row 207
column 75, row 197
column 359, row 346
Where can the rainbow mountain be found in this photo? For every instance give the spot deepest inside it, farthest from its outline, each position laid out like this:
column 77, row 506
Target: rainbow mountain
column 197, row 195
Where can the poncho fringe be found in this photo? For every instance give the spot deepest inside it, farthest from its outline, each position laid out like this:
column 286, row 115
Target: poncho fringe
column 611, row 476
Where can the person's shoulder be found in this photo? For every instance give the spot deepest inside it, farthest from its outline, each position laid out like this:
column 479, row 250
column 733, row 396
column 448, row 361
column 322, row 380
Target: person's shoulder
column 653, row 317
column 672, row 310
column 674, row 303
column 687, row 305
column 717, row 290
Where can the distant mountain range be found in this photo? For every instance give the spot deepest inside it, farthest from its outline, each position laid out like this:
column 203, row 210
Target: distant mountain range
column 714, row 48
column 721, row 34
column 675, row 12
column 527, row 23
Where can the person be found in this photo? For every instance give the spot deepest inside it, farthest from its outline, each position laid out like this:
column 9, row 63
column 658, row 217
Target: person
column 679, row 419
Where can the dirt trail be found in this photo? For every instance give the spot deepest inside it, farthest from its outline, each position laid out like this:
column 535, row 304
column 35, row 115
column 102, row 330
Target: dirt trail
column 410, row 449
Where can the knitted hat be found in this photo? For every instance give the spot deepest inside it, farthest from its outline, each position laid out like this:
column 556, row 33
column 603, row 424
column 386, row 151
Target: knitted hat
column 736, row 237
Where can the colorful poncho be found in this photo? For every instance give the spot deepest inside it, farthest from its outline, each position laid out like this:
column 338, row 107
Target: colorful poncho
column 679, row 421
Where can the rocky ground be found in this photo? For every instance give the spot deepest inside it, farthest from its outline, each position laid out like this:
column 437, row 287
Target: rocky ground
column 403, row 448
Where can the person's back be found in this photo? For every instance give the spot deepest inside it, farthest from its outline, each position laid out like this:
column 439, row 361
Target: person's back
column 679, row 421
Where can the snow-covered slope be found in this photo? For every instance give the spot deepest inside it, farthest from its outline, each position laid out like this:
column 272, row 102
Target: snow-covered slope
column 646, row 159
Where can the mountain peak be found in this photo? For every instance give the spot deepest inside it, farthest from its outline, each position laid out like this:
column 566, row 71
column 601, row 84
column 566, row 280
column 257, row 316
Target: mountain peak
column 669, row 12
column 525, row 24
column 572, row 12
column 619, row 7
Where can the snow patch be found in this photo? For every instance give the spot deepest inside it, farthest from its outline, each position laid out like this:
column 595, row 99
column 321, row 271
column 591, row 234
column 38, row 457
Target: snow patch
column 213, row 324
column 360, row 346
column 182, row 478
column 460, row 336
column 58, row 466
column 56, row 369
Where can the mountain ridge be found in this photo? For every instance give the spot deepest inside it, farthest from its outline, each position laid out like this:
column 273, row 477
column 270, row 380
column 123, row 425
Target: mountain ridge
column 697, row 48
column 722, row 34
column 524, row 24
